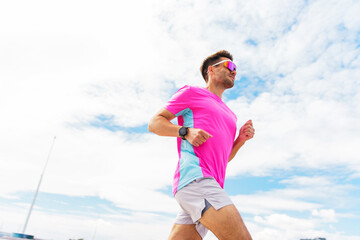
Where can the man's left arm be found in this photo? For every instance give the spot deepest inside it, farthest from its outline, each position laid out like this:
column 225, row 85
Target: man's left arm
column 246, row 132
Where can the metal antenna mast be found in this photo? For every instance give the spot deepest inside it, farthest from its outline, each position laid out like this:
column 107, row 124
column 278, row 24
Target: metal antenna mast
column 37, row 190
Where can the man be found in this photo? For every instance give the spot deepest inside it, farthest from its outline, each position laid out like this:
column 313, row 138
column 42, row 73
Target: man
column 206, row 133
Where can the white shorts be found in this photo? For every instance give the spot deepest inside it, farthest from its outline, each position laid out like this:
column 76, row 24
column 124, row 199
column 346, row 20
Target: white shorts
column 196, row 197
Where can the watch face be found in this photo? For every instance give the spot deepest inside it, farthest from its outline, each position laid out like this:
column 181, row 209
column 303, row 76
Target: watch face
column 183, row 131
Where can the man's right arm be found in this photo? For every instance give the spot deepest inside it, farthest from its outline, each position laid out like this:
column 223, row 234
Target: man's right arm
column 160, row 124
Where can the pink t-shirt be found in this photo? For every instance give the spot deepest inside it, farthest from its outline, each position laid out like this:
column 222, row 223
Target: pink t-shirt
column 197, row 107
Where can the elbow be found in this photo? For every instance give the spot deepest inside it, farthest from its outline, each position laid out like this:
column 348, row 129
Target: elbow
column 151, row 126
column 150, row 129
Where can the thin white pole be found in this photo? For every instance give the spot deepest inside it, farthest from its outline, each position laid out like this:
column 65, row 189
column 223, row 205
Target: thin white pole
column 37, row 189
column 93, row 237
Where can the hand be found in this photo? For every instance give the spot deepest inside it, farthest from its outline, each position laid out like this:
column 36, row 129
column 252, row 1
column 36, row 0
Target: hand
column 196, row 137
column 247, row 131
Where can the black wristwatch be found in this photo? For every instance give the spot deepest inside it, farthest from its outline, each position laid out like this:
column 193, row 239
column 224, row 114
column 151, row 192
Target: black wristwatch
column 182, row 132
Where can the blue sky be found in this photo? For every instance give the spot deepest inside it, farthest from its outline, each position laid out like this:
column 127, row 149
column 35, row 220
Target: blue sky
column 92, row 74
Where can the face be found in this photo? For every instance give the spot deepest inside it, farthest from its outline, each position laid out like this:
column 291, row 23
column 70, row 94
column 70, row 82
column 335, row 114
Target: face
column 223, row 75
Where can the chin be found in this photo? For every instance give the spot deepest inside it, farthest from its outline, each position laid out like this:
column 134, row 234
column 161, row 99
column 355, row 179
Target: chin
column 228, row 84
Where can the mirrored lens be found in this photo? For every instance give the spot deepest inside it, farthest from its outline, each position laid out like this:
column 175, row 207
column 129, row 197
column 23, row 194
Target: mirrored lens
column 230, row 65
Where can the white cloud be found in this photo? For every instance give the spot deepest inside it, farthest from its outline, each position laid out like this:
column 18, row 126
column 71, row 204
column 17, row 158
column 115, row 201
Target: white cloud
column 275, row 225
column 286, row 223
column 266, row 203
column 328, row 215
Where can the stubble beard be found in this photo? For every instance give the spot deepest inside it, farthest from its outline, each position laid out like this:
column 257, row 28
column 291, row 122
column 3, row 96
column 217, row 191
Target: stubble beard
column 228, row 83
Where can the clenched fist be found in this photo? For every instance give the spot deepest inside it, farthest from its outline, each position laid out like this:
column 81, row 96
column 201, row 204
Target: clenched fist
column 196, row 137
column 247, row 131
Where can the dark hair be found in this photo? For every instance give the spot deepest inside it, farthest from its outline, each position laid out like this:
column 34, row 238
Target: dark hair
column 212, row 59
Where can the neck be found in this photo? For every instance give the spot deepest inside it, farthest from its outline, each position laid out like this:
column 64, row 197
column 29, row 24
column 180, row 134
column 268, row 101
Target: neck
column 217, row 90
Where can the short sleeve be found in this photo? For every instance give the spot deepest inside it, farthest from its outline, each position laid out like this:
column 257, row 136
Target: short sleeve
column 180, row 101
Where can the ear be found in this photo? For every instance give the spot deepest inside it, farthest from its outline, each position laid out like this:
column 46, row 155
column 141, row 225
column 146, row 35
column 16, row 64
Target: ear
column 210, row 69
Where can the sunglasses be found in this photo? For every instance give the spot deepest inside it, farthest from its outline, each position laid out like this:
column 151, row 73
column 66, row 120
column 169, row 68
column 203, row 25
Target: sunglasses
column 227, row 63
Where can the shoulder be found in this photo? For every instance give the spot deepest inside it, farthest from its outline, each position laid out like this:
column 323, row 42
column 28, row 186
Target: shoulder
column 187, row 89
column 190, row 88
column 193, row 89
column 189, row 92
column 184, row 88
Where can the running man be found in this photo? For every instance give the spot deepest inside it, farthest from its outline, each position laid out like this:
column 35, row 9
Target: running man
column 206, row 143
